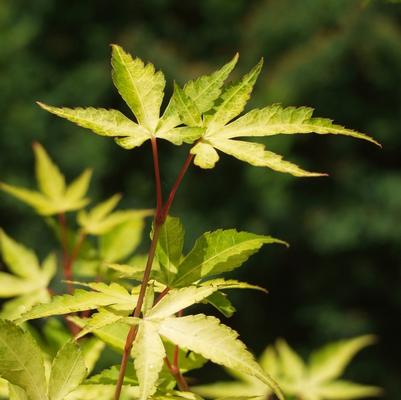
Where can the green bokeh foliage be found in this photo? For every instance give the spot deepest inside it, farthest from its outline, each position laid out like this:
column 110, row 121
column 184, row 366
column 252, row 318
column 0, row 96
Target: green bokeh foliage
column 343, row 57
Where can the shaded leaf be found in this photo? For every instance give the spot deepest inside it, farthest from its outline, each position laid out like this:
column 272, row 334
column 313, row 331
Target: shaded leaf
column 169, row 247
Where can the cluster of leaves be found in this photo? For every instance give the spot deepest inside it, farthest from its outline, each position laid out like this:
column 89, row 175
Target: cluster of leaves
column 316, row 380
column 202, row 114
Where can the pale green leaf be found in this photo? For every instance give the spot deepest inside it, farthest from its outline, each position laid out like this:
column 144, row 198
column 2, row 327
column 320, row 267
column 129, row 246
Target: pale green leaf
column 178, row 299
column 92, row 349
column 50, row 180
column 186, row 108
column 221, row 303
column 233, row 100
column 113, row 335
column 206, row 89
column 14, row 308
column 78, row 188
column 169, row 120
column 3, row 388
column 330, row 361
column 203, row 91
column 275, row 119
column 205, row 155
column 99, row 212
column 97, row 321
column 219, row 251
column 182, row 134
column 122, row 241
column 149, row 353
column 228, row 389
column 81, row 300
column 139, row 85
column 101, row 392
column 103, row 122
column 35, row 199
column 169, row 247
column 68, row 371
column 269, row 361
column 18, row 258
column 110, row 376
column 255, row 154
column 21, row 361
column 292, row 365
column 11, row 286
column 344, row 390
column 16, row 393
column 217, row 342
column 127, row 271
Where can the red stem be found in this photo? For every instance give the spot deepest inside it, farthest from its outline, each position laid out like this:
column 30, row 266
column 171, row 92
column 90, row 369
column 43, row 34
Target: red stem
column 176, row 185
column 175, row 371
column 68, row 261
column 161, row 214
column 159, row 196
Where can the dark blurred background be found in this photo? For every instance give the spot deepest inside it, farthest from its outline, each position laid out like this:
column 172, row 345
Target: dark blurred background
column 341, row 276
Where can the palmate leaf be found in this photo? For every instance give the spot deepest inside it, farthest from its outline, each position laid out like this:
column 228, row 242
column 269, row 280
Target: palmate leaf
column 68, row 371
column 54, row 196
column 19, row 259
column 300, row 380
column 206, row 336
column 28, row 280
column 21, row 361
column 101, row 219
column 217, row 252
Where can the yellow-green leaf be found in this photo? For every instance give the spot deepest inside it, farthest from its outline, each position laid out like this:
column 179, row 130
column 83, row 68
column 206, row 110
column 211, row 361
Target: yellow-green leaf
column 139, row 85
column 50, row 180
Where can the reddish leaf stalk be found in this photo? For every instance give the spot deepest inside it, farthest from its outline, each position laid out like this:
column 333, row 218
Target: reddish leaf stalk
column 68, row 262
column 160, row 217
column 175, row 371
